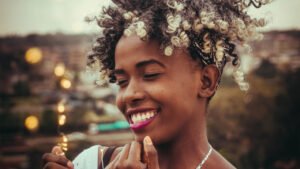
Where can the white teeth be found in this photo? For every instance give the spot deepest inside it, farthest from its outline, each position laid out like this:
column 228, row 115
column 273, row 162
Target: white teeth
column 148, row 115
column 133, row 118
column 151, row 113
column 139, row 117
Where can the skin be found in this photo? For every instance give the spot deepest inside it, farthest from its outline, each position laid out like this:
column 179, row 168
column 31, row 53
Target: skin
column 178, row 89
column 181, row 121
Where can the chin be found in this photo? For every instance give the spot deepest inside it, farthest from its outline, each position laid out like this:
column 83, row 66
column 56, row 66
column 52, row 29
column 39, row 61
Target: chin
column 139, row 136
column 157, row 138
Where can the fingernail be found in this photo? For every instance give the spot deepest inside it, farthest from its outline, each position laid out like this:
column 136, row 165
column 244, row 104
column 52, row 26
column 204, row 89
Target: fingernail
column 70, row 164
column 147, row 140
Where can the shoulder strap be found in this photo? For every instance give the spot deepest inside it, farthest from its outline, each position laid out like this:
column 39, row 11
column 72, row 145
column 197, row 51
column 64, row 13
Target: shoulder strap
column 107, row 156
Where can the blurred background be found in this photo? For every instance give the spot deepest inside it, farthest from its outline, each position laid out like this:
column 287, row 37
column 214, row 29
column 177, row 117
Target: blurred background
column 48, row 97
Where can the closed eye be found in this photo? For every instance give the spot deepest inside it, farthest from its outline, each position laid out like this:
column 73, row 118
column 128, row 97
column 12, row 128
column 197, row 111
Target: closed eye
column 151, row 75
column 121, row 82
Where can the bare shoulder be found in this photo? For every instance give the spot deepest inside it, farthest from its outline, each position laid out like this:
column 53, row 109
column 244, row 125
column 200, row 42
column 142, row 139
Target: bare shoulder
column 217, row 161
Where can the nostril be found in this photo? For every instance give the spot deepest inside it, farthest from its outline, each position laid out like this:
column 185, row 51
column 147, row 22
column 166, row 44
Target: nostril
column 133, row 93
column 136, row 100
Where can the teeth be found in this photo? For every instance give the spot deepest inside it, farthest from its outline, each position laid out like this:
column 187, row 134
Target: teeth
column 139, row 117
column 151, row 113
column 148, row 115
column 133, row 118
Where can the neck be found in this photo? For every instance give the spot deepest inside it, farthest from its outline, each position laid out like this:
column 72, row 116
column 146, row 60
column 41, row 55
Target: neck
column 187, row 149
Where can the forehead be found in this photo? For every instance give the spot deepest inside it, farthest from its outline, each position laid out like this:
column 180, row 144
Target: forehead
column 132, row 50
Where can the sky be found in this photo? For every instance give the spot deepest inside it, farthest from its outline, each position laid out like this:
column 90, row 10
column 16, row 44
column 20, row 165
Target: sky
column 67, row 16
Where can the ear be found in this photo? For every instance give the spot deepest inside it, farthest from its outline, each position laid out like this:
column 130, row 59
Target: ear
column 209, row 80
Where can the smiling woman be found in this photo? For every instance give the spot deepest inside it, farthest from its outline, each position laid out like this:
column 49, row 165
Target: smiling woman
column 167, row 58
column 151, row 84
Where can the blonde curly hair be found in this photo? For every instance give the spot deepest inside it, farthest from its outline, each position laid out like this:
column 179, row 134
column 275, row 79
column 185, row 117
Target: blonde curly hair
column 207, row 29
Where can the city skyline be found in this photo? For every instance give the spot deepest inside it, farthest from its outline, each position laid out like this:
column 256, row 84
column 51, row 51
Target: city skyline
column 23, row 17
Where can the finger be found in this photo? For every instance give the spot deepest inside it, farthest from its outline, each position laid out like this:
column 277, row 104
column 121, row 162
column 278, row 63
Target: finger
column 61, row 160
column 56, row 150
column 143, row 166
column 59, row 152
column 124, row 153
column 52, row 165
column 150, row 153
column 134, row 152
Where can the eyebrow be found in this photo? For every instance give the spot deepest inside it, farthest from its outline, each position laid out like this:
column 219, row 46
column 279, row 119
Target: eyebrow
column 139, row 65
column 149, row 62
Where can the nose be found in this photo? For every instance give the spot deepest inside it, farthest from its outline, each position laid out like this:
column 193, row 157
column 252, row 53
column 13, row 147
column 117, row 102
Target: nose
column 134, row 93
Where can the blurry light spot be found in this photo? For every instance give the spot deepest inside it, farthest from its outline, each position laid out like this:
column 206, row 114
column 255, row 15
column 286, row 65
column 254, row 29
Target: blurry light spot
column 60, row 107
column 31, row 123
column 33, row 55
column 64, row 139
column 59, row 69
column 63, row 143
column 65, row 83
column 62, row 119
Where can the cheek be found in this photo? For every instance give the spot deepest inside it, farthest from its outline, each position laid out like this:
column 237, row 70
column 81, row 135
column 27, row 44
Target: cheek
column 165, row 94
column 119, row 101
column 177, row 97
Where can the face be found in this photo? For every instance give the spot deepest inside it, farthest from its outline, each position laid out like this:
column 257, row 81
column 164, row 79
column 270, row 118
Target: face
column 158, row 94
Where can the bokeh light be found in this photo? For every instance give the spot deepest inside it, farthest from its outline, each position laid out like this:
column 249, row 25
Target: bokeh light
column 31, row 123
column 59, row 69
column 63, row 143
column 61, row 107
column 62, row 119
column 33, row 55
column 65, row 83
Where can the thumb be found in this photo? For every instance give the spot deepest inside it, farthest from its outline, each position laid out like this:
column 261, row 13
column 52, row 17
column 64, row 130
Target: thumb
column 150, row 153
column 56, row 150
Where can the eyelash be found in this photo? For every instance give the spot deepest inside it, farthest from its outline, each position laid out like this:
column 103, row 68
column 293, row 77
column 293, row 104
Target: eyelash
column 147, row 76
column 121, row 82
column 151, row 75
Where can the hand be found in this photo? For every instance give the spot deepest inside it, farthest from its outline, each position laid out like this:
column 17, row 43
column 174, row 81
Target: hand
column 56, row 160
column 150, row 154
column 131, row 156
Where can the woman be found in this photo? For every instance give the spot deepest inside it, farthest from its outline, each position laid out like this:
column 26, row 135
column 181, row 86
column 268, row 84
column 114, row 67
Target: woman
column 167, row 57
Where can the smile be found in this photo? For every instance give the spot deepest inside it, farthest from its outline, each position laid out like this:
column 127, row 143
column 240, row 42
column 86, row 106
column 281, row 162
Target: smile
column 140, row 120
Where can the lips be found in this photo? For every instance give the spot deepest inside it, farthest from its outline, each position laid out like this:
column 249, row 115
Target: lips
column 140, row 118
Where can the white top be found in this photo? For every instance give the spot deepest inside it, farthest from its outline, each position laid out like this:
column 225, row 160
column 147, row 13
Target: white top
column 87, row 159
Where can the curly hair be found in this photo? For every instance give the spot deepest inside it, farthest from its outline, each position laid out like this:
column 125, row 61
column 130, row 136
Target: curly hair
column 209, row 30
